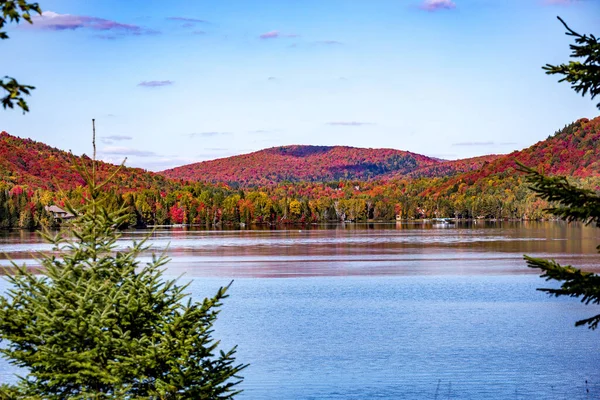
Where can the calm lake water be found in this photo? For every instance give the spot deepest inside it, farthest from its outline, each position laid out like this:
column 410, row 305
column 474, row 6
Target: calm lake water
column 410, row 311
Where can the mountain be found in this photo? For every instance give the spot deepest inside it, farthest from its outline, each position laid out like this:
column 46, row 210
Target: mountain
column 35, row 164
column 303, row 163
column 487, row 186
column 448, row 168
column 572, row 151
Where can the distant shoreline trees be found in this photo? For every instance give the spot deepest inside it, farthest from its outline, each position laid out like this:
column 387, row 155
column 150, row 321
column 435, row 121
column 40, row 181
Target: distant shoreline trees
column 205, row 205
column 201, row 204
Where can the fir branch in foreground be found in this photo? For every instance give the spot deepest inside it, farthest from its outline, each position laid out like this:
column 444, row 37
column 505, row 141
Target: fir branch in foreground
column 576, row 283
column 574, row 204
column 584, row 76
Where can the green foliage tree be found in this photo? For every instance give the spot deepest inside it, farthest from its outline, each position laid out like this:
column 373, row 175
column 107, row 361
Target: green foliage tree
column 97, row 325
column 572, row 203
column 14, row 11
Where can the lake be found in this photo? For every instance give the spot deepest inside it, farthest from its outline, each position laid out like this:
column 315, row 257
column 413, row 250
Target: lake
column 389, row 311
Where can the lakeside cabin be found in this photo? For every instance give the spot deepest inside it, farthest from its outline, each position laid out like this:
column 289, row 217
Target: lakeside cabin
column 59, row 213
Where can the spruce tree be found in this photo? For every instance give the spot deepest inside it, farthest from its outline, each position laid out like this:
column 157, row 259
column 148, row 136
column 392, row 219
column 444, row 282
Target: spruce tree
column 572, row 203
column 98, row 325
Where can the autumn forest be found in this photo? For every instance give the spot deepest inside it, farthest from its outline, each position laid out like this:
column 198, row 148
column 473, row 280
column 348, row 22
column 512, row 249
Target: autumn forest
column 299, row 184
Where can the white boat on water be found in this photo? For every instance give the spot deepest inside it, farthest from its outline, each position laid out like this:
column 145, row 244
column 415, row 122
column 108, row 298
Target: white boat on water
column 442, row 222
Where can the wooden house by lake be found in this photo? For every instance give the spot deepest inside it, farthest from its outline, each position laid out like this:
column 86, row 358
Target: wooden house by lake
column 59, row 213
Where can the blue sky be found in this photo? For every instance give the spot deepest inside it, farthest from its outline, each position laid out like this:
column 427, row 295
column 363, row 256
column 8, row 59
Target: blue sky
column 175, row 82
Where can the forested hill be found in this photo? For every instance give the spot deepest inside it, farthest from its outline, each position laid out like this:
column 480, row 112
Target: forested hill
column 572, row 151
column 303, row 163
column 34, row 164
column 31, row 172
column 449, row 168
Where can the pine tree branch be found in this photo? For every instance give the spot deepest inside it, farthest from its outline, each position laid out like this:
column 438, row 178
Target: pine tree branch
column 576, row 283
column 591, row 322
column 574, row 204
column 584, row 75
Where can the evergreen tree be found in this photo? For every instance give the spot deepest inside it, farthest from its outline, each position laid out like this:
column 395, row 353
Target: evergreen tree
column 572, row 203
column 98, row 325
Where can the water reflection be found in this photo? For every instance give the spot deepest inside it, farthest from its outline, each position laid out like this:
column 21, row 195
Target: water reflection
column 408, row 311
column 352, row 249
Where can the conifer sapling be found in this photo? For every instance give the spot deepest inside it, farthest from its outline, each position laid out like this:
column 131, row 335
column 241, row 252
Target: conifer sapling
column 98, row 325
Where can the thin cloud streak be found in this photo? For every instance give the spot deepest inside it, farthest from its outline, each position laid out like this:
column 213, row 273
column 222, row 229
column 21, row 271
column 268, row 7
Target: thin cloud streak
column 264, row 131
column 349, row 123
column 276, row 35
column 153, row 84
column 117, row 137
column 560, row 2
column 208, row 134
column 113, row 138
column 106, row 37
column 126, row 151
column 473, row 144
column 484, row 144
column 53, row 21
column 270, row 35
column 436, row 5
column 162, row 162
column 187, row 19
column 329, row 42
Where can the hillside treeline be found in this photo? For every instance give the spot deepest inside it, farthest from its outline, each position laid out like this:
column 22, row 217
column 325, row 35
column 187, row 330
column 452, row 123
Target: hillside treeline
column 502, row 196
